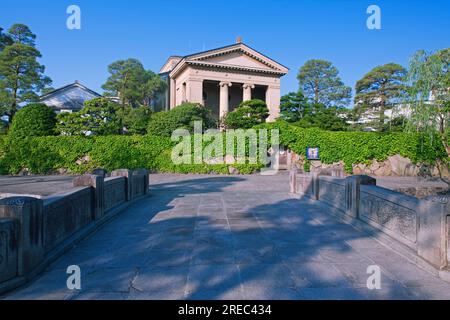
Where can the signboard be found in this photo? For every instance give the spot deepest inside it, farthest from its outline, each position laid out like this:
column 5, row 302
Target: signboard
column 312, row 153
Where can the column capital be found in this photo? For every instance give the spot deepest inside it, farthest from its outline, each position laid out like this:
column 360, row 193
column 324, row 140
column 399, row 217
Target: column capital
column 225, row 84
column 248, row 85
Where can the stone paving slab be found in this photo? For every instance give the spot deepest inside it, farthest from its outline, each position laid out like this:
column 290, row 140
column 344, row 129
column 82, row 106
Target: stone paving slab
column 35, row 185
column 221, row 237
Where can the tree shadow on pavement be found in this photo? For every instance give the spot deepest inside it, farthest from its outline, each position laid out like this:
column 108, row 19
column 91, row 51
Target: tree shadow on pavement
column 200, row 239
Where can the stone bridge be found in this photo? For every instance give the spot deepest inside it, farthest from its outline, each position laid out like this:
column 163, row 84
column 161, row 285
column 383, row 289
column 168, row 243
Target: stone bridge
column 218, row 237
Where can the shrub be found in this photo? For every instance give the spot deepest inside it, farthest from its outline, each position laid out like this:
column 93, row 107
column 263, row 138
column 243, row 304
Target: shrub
column 248, row 114
column 136, row 119
column 98, row 116
column 181, row 117
column 33, row 120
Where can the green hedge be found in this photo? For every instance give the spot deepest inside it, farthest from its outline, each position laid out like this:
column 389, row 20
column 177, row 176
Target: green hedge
column 360, row 147
column 44, row 155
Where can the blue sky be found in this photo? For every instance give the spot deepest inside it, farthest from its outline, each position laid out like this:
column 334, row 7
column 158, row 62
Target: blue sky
column 289, row 31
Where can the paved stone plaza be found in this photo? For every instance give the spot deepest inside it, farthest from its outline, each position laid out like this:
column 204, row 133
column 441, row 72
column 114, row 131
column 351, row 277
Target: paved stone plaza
column 230, row 237
column 44, row 186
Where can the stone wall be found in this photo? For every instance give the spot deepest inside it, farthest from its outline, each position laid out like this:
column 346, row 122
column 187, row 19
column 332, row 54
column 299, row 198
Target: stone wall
column 422, row 225
column 34, row 232
column 65, row 214
column 115, row 192
column 305, row 184
column 447, row 231
column 8, row 249
column 393, row 213
column 138, row 185
column 395, row 166
column 332, row 191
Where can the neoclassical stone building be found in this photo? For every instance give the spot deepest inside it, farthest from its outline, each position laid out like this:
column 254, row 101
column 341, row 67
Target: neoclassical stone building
column 222, row 78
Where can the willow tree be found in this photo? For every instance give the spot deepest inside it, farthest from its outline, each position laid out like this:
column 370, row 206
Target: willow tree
column 429, row 94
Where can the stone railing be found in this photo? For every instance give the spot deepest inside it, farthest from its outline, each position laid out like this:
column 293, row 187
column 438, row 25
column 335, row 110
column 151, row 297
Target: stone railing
column 34, row 232
column 422, row 225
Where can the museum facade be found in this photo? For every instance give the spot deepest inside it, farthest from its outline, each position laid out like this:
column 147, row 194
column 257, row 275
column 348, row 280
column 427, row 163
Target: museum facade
column 222, row 78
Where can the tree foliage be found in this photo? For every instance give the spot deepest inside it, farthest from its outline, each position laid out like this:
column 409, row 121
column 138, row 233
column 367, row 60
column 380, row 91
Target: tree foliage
column 133, row 84
column 248, row 114
column 21, row 75
column 98, row 117
column 33, row 120
column 136, row 120
column 429, row 93
column 294, row 106
column 381, row 89
column 320, row 82
column 323, row 118
column 5, row 40
column 297, row 110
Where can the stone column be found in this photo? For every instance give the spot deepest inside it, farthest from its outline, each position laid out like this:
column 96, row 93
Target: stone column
column 96, row 182
column 224, row 106
column 273, row 102
column 128, row 176
column 247, row 93
column 352, row 190
column 172, row 94
column 29, row 214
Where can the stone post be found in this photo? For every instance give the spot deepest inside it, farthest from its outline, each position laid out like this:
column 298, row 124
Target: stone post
column 96, row 182
column 433, row 233
column 128, row 176
column 28, row 214
column 145, row 173
column 352, row 190
column 315, row 185
column 247, row 91
column 224, row 107
column 100, row 172
column 293, row 180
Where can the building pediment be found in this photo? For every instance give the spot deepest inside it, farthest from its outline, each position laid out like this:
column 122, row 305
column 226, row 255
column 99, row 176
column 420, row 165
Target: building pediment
column 170, row 64
column 235, row 57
